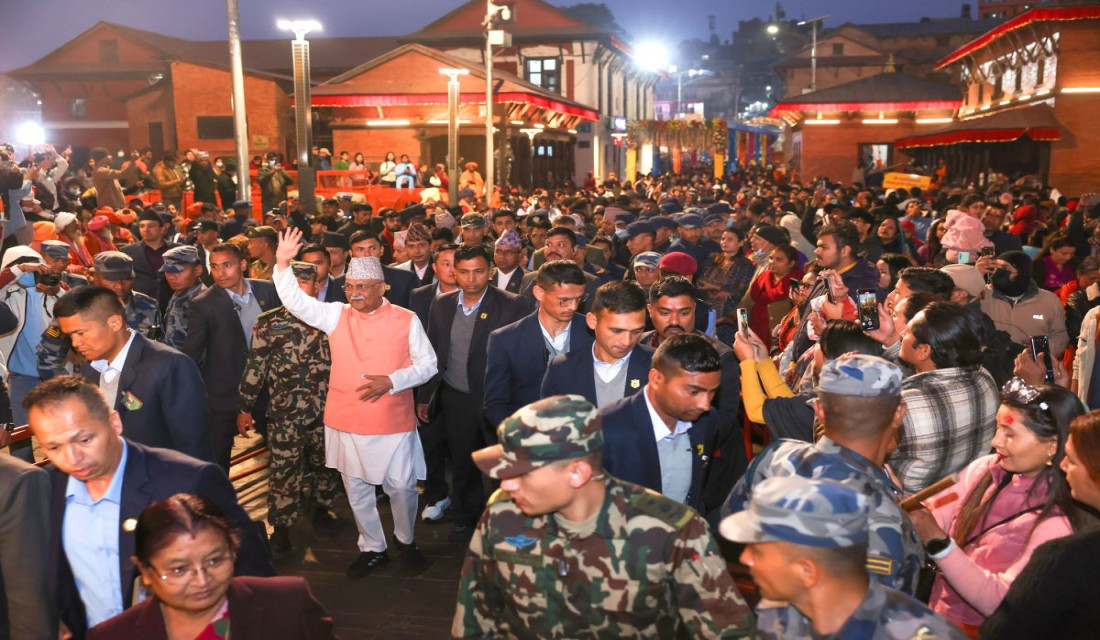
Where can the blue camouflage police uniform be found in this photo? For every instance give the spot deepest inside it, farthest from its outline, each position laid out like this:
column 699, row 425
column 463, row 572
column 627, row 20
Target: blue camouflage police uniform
column 820, row 514
column 895, row 553
column 176, row 260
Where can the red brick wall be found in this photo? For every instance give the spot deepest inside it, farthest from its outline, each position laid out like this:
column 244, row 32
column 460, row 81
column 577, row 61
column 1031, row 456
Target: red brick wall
column 153, row 106
column 206, row 91
column 833, row 150
column 1074, row 163
column 374, row 143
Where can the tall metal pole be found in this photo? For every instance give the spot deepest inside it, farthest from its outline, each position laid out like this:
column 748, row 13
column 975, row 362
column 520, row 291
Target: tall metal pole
column 240, row 122
column 452, row 132
column 303, row 116
column 813, row 58
column 679, row 94
column 488, row 106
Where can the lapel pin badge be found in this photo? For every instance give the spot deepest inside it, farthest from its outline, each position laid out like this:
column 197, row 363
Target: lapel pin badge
column 635, row 383
column 129, row 524
column 484, row 315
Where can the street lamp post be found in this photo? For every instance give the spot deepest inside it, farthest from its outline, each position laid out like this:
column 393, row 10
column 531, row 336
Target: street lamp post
column 531, row 133
column 240, row 122
column 303, row 112
column 813, row 22
column 452, row 132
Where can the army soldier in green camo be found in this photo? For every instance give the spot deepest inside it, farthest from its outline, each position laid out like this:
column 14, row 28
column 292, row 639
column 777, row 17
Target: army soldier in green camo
column 565, row 551
column 115, row 271
column 806, row 546
column 291, row 360
column 182, row 271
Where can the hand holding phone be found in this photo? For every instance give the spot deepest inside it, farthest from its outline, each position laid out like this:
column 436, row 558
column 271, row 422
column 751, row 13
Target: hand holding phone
column 743, row 321
column 1040, row 350
column 867, row 305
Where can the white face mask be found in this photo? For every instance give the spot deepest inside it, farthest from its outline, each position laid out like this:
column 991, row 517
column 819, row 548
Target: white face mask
column 219, row 164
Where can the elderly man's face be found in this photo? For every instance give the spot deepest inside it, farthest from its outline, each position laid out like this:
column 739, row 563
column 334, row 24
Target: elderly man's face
column 364, row 295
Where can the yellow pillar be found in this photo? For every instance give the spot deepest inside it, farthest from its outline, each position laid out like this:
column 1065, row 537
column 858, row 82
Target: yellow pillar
column 676, row 159
column 631, row 164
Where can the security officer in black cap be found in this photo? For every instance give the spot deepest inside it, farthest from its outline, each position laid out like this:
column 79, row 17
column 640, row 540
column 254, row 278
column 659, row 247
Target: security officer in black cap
column 337, row 246
column 206, row 233
column 242, row 210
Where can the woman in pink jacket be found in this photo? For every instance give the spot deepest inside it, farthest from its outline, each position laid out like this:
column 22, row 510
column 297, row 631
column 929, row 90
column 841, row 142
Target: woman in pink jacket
column 1004, row 505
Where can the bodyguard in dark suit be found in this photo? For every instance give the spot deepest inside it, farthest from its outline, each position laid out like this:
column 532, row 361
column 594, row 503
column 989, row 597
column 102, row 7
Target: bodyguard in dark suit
column 206, row 235
column 561, row 244
column 100, row 484
column 459, row 324
column 673, row 309
column 418, row 246
column 27, row 608
column 157, row 391
column 219, row 335
column 507, row 251
column 318, row 256
column 148, row 257
column 616, row 366
column 659, row 438
column 519, row 353
column 399, row 283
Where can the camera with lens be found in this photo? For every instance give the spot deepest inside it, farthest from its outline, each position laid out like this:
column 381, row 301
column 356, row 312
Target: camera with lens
column 47, row 279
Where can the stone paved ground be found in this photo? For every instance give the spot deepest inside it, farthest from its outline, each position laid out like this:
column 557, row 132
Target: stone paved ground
column 391, row 603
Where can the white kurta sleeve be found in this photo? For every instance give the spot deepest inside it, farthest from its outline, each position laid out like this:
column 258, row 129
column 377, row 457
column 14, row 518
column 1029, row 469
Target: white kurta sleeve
column 322, row 315
column 422, row 355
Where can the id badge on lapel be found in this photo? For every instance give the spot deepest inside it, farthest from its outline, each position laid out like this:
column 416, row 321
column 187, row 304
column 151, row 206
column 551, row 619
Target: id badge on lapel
column 130, row 401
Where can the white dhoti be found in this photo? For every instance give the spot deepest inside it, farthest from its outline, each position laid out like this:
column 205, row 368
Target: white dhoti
column 394, row 461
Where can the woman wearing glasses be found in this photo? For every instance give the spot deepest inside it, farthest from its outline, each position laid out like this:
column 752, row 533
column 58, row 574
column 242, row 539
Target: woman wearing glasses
column 184, row 548
column 982, row 532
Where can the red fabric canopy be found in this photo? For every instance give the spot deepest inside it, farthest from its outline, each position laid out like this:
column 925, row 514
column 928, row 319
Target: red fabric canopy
column 1036, row 121
column 1022, row 20
column 908, row 105
column 411, row 99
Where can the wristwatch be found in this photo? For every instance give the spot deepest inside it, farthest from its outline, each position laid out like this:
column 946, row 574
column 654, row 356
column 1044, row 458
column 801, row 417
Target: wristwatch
column 938, row 547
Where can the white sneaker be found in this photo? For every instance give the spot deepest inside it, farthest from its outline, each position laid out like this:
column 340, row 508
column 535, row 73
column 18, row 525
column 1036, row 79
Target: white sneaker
column 435, row 511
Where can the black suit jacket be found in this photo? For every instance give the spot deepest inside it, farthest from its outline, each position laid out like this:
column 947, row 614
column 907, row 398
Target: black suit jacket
column 259, row 608
column 513, row 283
column 26, row 604
column 516, row 363
column 206, row 278
column 174, row 406
column 216, row 341
column 146, row 280
column 429, row 273
column 498, row 308
column 335, row 291
column 150, row 475
column 630, row 450
column 399, row 285
column 420, row 302
column 573, row 373
column 527, row 288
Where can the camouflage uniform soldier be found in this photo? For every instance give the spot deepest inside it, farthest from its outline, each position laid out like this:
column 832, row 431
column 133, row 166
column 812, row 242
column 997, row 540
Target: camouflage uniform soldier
column 805, row 543
column 896, row 554
column 290, row 360
column 114, row 270
column 261, row 243
column 570, row 552
column 55, row 254
column 182, row 270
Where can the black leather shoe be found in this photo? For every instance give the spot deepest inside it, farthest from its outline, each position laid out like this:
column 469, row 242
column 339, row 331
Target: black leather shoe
column 281, row 546
column 325, row 524
column 411, row 556
column 367, row 562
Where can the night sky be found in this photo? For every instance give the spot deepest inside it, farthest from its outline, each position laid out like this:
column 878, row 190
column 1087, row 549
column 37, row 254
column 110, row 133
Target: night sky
column 33, row 29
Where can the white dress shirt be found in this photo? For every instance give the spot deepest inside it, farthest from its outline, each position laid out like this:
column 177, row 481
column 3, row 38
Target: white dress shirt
column 608, row 370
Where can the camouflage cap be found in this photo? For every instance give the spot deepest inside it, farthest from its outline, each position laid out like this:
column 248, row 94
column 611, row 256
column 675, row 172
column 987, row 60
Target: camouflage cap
column 856, row 374
column 473, row 220
column 803, row 511
column 179, row 258
column 552, row 429
column 649, row 259
column 262, row 232
column 55, row 249
column 114, row 265
column 303, row 270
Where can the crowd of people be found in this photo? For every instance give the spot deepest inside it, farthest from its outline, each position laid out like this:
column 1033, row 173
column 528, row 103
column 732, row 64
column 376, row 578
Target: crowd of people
column 876, row 403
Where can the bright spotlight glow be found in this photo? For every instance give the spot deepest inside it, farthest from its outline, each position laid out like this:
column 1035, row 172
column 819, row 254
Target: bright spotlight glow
column 772, row 29
column 651, row 56
column 30, row 133
column 299, row 27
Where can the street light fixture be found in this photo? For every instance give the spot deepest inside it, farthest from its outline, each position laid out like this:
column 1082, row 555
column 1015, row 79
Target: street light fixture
column 452, row 131
column 531, row 133
column 303, row 112
column 813, row 22
column 772, row 29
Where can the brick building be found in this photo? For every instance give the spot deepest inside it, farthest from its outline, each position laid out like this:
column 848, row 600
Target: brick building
column 837, row 129
column 1031, row 90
